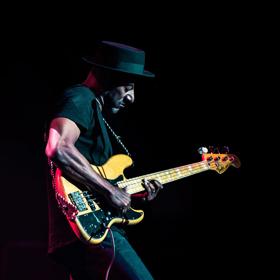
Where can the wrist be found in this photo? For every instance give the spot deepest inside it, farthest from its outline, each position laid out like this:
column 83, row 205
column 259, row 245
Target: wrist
column 140, row 195
column 108, row 189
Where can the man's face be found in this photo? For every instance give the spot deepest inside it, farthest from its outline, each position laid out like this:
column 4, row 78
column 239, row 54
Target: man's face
column 119, row 97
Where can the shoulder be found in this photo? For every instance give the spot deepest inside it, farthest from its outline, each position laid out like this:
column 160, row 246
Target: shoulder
column 76, row 104
column 79, row 92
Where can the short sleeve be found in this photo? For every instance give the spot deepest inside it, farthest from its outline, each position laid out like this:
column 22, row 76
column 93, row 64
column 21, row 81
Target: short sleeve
column 76, row 105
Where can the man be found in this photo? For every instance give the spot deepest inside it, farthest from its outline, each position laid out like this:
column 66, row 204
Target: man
column 79, row 136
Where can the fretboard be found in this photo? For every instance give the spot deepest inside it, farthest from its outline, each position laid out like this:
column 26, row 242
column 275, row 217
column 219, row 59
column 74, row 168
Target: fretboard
column 134, row 185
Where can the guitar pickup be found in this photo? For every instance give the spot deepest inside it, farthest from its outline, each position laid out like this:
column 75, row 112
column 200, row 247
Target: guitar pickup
column 89, row 199
column 77, row 199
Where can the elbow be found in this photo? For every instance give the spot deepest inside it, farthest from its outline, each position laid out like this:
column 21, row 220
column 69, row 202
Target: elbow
column 57, row 153
column 50, row 152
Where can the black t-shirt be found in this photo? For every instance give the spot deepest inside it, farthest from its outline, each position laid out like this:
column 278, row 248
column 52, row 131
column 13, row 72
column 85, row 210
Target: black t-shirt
column 78, row 103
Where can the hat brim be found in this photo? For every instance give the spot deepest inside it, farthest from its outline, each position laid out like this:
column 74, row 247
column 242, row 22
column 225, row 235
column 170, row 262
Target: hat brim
column 145, row 73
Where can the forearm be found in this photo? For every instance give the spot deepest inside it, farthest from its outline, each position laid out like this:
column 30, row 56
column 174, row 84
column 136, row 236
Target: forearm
column 74, row 165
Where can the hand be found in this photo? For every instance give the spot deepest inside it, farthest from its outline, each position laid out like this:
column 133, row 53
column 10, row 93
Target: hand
column 119, row 199
column 152, row 187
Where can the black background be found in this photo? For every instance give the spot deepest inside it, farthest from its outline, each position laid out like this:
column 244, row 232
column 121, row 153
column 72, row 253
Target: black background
column 205, row 67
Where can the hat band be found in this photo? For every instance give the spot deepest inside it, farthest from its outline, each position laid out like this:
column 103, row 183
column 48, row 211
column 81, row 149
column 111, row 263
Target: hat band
column 130, row 67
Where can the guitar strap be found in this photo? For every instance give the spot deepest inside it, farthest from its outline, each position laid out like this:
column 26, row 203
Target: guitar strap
column 117, row 137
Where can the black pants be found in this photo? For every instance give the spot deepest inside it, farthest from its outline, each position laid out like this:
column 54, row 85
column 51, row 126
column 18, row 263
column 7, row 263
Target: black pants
column 91, row 262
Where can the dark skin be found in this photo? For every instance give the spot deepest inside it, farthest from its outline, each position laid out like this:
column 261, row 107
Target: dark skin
column 63, row 134
column 152, row 187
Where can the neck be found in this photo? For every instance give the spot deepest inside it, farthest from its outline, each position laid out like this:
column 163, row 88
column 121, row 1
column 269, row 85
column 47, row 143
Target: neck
column 92, row 82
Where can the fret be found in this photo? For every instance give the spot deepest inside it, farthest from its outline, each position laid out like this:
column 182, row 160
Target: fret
column 134, row 185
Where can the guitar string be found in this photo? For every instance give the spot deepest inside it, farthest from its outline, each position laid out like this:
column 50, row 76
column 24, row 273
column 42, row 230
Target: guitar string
column 163, row 179
column 171, row 170
column 197, row 167
column 163, row 176
column 137, row 180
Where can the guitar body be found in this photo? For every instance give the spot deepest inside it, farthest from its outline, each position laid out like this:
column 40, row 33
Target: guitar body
column 88, row 215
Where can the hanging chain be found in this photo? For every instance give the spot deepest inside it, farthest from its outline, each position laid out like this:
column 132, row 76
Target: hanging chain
column 67, row 208
column 117, row 137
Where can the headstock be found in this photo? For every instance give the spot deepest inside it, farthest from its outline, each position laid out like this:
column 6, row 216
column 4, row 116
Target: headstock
column 219, row 162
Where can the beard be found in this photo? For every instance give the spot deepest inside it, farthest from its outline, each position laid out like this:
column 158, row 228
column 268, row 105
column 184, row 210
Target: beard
column 111, row 101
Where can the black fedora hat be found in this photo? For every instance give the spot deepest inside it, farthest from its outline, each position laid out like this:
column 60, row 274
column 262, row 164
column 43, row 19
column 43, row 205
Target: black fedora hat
column 119, row 57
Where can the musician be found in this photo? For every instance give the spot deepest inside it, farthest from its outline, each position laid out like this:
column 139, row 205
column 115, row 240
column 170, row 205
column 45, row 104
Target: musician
column 79, row 136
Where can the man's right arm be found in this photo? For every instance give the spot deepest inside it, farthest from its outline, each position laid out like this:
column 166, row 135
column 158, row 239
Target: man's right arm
column 60, row 148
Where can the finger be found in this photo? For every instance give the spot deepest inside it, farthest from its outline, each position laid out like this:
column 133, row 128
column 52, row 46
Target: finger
column 151, row 186
column 146, row 186
column 145, row 182
column 125, row 204
column 150, row 189
column 126, row 198
column 125, row 208
column 157, row 184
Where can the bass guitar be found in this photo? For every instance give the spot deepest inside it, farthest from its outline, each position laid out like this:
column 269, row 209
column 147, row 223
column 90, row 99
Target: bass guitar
column 88, row 214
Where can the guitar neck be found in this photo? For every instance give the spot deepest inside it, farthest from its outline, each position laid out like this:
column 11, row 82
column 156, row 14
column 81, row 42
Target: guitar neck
column 134, row 185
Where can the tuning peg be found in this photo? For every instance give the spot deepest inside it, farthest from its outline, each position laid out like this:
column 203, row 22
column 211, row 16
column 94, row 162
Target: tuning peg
column 202, row 150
